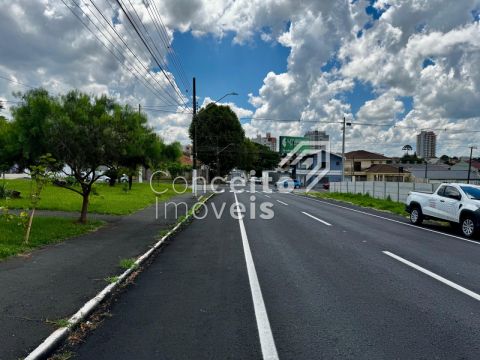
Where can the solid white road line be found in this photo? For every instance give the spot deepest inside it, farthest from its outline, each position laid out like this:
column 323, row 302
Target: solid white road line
column 313, row 217
column 267, row 196
column 267, row 342
column 435, row 276
column 391, row 220
column 281, row 202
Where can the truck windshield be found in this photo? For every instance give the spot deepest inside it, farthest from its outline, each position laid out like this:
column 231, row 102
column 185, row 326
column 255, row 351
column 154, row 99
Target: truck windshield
column 472, row 192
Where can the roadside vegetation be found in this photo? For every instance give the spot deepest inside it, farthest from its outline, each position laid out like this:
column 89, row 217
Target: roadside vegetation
column 104, row 199
column 364, row 201
column 48, row 230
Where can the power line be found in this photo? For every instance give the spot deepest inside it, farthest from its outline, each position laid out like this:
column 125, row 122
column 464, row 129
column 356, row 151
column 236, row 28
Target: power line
column 129, row 49
column 105, row 46
column 120, row 3
column 165, row 39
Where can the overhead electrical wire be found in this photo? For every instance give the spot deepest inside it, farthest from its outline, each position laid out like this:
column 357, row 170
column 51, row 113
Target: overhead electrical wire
column 106, row 47
column 147, row 71
column 138, row 31
column 162, row 32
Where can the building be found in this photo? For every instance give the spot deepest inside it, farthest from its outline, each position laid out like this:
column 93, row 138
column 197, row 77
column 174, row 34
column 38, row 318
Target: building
column 321, row 165
column 268, row 141
column 361, row 165
column 426, row 145
column 317, row 135
column 443, row 173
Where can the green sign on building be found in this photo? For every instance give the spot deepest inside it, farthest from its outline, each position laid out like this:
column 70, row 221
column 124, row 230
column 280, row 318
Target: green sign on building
column 288, row 143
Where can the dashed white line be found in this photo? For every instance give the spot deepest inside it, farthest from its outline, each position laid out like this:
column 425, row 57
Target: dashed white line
column 435, row 276
column 314, row 217
column 281, row 202
column 267, row 196
column 391, row 220
column 267, row 343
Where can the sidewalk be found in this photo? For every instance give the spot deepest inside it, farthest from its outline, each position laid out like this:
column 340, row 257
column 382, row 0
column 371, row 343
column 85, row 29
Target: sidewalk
column 54, row 282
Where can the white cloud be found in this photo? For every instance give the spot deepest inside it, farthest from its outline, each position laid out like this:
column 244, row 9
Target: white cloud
column 47, row 46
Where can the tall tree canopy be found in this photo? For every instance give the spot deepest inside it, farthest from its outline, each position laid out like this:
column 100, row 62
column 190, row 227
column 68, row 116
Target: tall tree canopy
column 219, row 137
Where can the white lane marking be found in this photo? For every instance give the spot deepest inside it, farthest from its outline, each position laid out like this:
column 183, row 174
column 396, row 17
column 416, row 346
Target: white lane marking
column 313, row 217
column 392, row 220
column 435, row 276
column 267, row 196
column 281, row 202
column 267, row 342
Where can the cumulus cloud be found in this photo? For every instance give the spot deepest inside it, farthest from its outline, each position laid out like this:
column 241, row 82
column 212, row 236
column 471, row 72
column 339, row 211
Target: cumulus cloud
column 426, row 51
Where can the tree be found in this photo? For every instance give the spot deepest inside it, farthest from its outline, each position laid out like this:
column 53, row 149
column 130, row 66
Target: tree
column 258, row 157
column 135, row 141
column 219, row 137
column 407, row 148
column 6, row 145
column 82, row 135
column 30, row 140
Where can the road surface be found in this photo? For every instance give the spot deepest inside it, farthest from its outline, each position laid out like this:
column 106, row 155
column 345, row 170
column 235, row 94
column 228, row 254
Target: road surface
column 317, row 281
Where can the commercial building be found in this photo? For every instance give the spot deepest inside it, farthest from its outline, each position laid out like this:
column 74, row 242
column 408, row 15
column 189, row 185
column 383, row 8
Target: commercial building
column 317, row 135
column 269, row 141
column 426, row 145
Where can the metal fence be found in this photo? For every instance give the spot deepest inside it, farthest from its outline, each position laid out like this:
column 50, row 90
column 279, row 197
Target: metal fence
column 396, row 191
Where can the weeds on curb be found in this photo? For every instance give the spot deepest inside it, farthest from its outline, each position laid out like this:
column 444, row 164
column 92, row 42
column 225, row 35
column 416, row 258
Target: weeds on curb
column 59, row 323
column 127, row 264
column 112, row 279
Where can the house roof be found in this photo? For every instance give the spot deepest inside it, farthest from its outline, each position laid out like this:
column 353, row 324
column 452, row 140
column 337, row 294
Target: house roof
column 384, row 169
column 445, row 174
column 186, row 160
column 364, row 155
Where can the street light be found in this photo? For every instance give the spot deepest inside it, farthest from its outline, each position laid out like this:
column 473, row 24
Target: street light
column 224, row 96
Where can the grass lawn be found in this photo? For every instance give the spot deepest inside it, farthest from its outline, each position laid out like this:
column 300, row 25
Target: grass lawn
column 105, row 200
column 365, row 201
column 45, row 230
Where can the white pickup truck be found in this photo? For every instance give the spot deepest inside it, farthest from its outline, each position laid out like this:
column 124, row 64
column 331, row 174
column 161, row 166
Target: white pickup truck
column 458, row 204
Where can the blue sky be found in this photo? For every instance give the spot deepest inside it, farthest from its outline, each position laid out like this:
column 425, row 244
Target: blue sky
column 220, row 66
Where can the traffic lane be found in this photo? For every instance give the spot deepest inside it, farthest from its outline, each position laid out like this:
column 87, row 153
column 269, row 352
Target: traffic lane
column 192, row 302
column 448, row 256
column 330, row 296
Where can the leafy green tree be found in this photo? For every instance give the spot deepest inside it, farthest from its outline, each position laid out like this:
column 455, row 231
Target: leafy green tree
column 30, row 140
column 6, row 145
column 258, row 157
column 219, row 137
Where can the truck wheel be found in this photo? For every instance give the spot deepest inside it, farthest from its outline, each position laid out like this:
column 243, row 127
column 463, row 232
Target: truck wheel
column 468, row 226
column 416, row 216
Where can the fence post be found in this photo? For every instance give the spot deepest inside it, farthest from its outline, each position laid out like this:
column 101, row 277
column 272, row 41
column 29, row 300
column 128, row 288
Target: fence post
column 354, row 187
column 398, row 191
column 363, row 191
column 373, row 191
column 347, row 187
column 384, row 190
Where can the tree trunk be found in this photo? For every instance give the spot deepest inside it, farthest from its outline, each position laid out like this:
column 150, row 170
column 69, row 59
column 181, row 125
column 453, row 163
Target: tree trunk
column 130, row 182
column 83, row 214
column 29, row 226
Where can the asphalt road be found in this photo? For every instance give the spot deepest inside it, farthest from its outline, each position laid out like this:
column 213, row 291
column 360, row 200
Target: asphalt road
column 317, row 281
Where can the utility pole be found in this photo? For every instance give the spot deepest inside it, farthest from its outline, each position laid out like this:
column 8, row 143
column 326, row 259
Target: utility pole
column 426, row 171
column 343, row 150
column 194, row 147
column 139, row 109
column 470, row 163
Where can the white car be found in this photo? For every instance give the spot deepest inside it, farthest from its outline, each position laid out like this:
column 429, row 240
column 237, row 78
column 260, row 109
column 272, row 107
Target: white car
column 455, row 203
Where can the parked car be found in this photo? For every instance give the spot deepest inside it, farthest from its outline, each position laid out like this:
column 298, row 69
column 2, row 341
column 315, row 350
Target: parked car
column 458, row 204
column 124, row 178
column 104, row 179
column 285, row 183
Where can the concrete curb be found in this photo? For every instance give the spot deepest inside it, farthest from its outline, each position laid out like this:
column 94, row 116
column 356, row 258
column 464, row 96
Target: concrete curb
column 55, row 338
